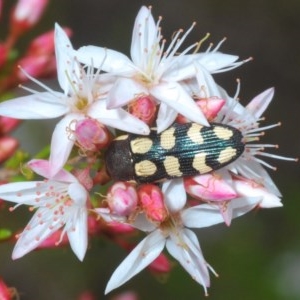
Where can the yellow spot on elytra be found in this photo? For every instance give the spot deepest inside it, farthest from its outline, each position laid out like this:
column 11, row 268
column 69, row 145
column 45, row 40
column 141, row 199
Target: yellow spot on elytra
column 194, row 133
column 167, row 138
column 121, row 137
column 223, row 133
column 226, row 155
column 141, row 145
column 199, row 163
column 172, row 166
column 145, row 168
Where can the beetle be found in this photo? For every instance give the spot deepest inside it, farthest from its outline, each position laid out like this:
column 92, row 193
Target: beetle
column 181, row 150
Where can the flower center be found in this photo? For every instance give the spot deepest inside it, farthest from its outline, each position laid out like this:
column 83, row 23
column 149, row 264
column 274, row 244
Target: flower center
column 81, row 103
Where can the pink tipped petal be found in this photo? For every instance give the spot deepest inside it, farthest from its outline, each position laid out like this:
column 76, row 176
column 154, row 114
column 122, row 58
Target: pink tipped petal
column 215, row 61
column 260, row 103
column 144, row 35
column 61, row 144
column 138, row 259
column 42, row 167
column 186, row 249
column 37, row 106
column 108, row 60
column 175, row 196
column 118, row 118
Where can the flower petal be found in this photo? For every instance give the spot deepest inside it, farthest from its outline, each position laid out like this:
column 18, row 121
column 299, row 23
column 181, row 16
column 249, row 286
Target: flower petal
column 20, row 192
column 139, row 258
column 62, row 143
column 216, row 61
column 178, row 99
column 144, row 35
column 78, row 235
column 108, row 60
column 117, row 118
column 260, row 103
column 42, row 167
column 174, row 193
column 65, row 63
column 35, row 233
column 124, row 91
column 186, row 249
column 206, row 215
column 43, row 105
column 165, row 117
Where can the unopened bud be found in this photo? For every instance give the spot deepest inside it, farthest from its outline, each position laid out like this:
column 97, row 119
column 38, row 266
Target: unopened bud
column 143, row 108
column 209, row 187
column 57, row 238
column 7, row 124
column 26, row 14
column 8, row 145
column 6, row 293
column 210, row 106
column 91, row 135
column 161, row 265
column 128, row 295
column 122, row 199
column 151, row 201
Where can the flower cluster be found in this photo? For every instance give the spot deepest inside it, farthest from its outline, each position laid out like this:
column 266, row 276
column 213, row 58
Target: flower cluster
column 104, row 95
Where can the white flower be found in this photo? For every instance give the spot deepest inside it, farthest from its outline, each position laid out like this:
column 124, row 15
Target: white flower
column 82, row 97
column 59, row 202
column 156, row 70
column 247, row 120
column 174, row 233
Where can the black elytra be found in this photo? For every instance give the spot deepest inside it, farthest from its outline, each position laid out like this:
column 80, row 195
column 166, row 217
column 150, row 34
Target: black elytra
column 179, row 151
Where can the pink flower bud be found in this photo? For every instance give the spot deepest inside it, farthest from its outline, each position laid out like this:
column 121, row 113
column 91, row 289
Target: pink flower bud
column 129, row 295
column 6, row 293
column 143, row 108
column 83, row 176
column 8, row 124
column 91, row 135
column 3, row 54
column 122, row 199
column 151, row 200
column 209, row 187
column 55, row 239
column 44, row 43
column 8, row 145
column 87, row 295
column 210, row 106
column 161, row 265
column 26, row 14
column 117, row 228
column 36, row 66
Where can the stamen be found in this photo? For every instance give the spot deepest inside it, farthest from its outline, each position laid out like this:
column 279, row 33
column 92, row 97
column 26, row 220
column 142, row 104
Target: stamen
column 37, row 82
column 201, row 42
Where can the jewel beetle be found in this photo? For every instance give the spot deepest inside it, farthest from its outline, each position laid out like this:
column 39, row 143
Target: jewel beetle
column 181, row 150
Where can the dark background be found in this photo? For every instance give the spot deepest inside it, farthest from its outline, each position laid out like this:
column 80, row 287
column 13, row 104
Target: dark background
column 258, row 257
